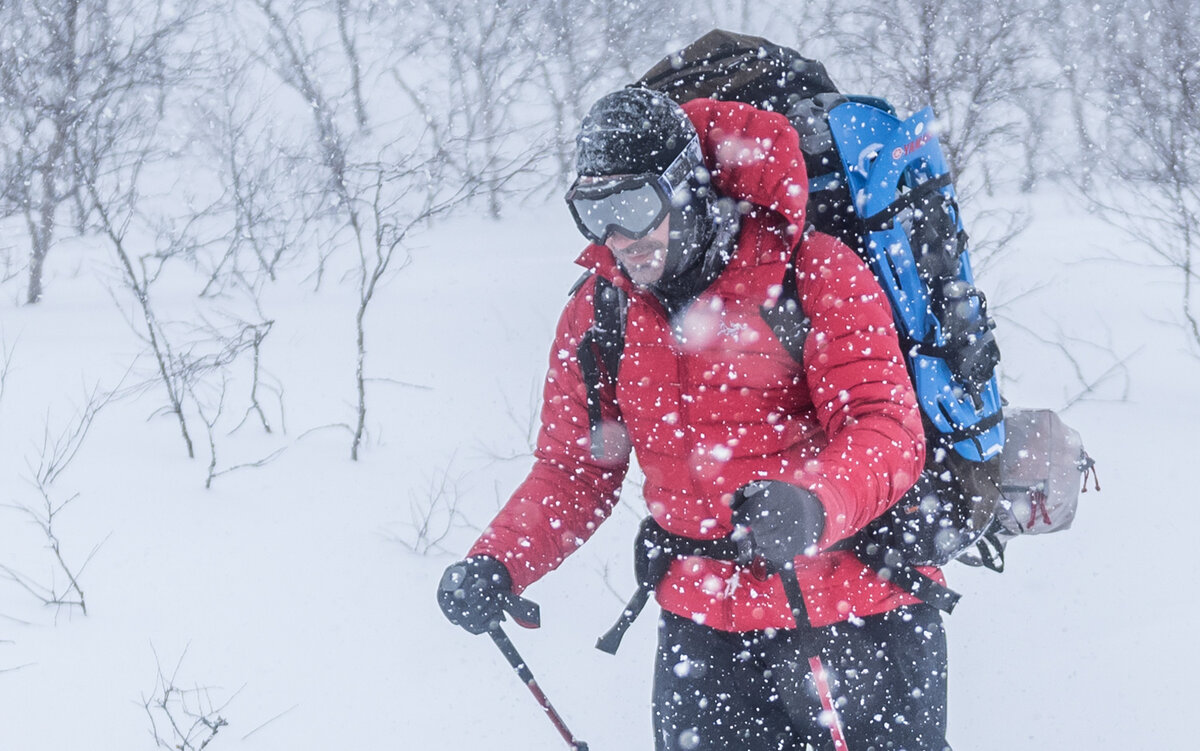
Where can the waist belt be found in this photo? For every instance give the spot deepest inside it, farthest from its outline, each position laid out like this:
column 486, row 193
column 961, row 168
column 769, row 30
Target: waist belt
column 886, row 562
column 655, row 542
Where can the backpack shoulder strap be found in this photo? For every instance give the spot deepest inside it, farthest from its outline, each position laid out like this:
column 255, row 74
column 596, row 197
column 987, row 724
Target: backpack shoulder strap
column 786, row 318
column 599, row 352
column 609, row 304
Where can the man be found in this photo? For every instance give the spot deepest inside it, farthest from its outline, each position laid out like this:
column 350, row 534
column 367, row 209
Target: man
column 760, row 382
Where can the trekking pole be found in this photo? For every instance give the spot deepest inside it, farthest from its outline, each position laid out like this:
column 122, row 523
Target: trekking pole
column 518, row 664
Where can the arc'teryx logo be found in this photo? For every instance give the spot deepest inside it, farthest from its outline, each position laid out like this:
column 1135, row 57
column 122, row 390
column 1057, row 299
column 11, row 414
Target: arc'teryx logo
column 732, row 330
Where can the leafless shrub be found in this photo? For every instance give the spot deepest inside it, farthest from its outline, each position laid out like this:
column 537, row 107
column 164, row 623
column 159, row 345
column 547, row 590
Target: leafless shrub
column 256, row 229
column 970, row 62
column 1074, row 37
column 405, row 197
column 211, row 408
column 991, row 230
column 78, row 80
column 210, row 350
column 582, row 50
column 1149, row 83
column 192, row 361
column 433, row 515
column 372, row 195
column 53, row 593
column 1097, row 370
column 53, row 456
column 202, row 363
column 57, row 451
column 487, row 56
column 524, row 423
column 183, row 719
column 9, row 267
column 138, row 275
column 257, row 335
column 619, row 590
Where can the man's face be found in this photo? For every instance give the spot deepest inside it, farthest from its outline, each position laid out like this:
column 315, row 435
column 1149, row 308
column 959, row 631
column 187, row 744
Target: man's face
column 643, row 259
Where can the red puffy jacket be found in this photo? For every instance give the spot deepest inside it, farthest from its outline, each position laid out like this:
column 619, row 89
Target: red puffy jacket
column 718, row 403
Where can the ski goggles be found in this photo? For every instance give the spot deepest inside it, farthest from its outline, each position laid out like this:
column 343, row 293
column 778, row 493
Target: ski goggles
column 632, row 204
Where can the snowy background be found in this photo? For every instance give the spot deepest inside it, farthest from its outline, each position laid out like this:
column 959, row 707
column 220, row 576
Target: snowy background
column 293, row 597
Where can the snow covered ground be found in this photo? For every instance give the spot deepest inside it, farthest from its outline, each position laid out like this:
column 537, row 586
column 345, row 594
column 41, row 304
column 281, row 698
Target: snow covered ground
column 285, row 601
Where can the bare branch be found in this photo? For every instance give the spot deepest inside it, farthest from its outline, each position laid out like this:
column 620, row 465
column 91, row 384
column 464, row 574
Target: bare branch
column 6, row 356
column 268, row 722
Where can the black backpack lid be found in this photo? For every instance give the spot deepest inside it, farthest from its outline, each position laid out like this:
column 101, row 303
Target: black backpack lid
column 737, row 67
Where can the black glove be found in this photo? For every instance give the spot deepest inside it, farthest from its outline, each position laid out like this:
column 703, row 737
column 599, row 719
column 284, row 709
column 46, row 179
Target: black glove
column 781, row 521
column 473, row 593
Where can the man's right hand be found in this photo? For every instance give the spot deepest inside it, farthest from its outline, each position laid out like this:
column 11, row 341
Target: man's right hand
column 780, row 521
column 473, row 593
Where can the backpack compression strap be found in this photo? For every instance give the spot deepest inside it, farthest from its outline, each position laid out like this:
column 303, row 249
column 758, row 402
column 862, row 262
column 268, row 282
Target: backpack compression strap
column 913, row 199
column 889, row 565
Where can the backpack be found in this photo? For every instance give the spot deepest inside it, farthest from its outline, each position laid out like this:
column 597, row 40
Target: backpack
column 881, row 185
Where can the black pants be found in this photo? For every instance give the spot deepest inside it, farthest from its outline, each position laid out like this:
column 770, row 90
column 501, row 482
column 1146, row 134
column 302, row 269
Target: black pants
column 877, row 685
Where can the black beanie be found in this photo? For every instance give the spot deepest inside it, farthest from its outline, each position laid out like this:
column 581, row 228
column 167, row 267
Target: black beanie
column 631, row 131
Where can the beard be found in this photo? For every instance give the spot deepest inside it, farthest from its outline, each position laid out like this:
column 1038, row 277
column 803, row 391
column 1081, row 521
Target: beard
column 644, row 260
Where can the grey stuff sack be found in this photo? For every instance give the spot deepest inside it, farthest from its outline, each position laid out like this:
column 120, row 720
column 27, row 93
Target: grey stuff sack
column 1043, row 468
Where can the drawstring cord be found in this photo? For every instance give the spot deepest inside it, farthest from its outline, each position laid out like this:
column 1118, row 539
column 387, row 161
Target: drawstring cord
column 1088, row 465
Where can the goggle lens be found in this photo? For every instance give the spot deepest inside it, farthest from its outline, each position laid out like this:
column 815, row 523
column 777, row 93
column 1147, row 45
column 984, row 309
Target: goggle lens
column 634, row 212
column 634, row 204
